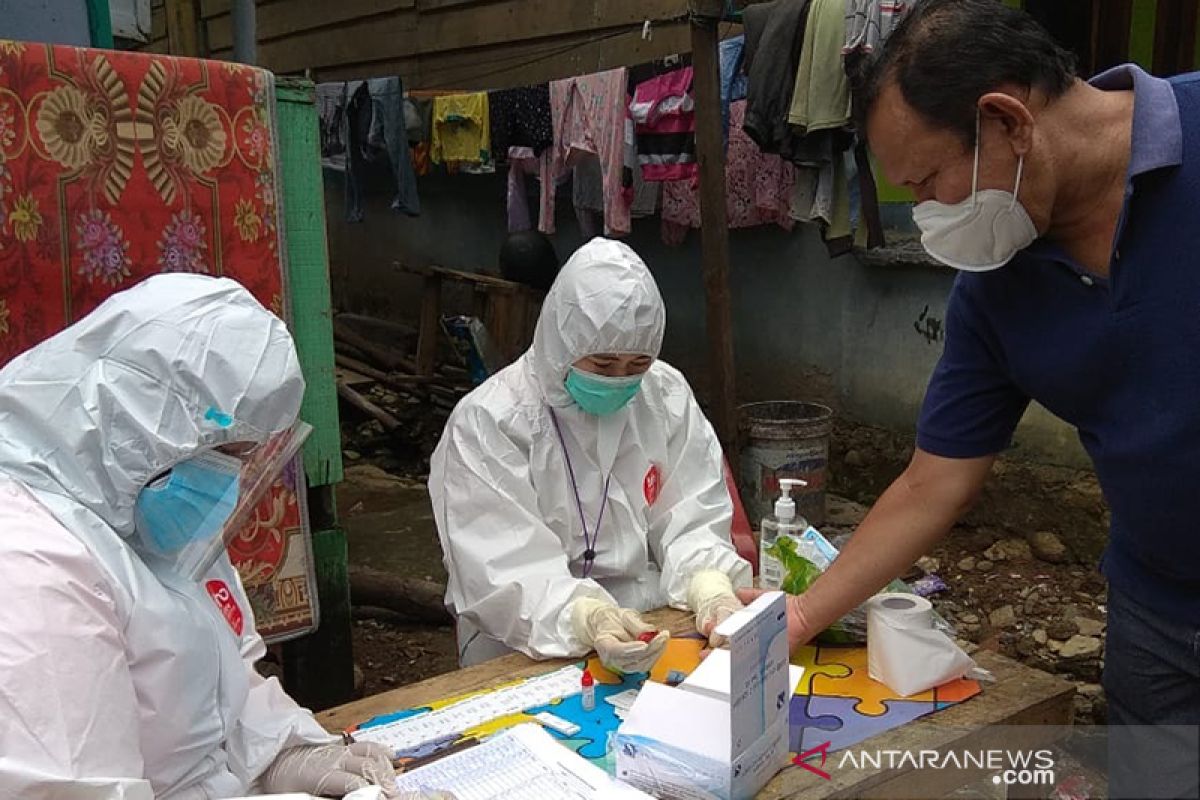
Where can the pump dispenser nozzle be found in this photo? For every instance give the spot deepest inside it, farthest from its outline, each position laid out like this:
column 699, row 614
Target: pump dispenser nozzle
column 785, row 506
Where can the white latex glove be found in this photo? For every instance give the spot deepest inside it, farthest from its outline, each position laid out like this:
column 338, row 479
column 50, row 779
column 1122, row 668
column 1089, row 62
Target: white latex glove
column 614, row 632
column 331, row 770
column 425, row 796
column 710, row 596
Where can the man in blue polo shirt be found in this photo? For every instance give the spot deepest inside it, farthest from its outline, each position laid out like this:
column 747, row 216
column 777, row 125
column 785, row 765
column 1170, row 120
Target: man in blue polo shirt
column 1072, row 210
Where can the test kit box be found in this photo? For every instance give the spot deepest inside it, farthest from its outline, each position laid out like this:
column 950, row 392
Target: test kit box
column 722, row 733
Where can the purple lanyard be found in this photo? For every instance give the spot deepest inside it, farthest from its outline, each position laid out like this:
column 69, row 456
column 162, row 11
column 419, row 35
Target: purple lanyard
column 589, row 540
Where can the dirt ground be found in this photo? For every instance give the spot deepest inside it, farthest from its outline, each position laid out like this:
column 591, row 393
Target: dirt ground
column 1020, row 572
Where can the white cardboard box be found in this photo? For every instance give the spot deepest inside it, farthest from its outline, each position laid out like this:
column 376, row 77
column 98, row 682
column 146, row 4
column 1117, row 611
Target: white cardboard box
column 722, row 733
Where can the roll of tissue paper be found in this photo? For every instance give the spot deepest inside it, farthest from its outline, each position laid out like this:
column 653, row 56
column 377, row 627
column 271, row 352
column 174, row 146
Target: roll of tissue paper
column 904, row 651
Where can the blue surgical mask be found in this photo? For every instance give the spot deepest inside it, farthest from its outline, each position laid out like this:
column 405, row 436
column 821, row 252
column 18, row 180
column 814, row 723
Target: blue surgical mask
column 191, row 503
column 600, row 394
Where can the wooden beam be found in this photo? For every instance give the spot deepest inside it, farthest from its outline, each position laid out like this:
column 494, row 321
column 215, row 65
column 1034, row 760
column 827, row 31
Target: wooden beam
column 483, row 42
column 1113, row 19
column 277, row 20
column 431, row 325
column 714, row 235
column 516, row 64
column 158, row 23
column 183, row 28
column 308, row 275
column 99, row 23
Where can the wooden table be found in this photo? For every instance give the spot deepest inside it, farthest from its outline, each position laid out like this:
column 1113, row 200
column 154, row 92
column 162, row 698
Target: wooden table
column 1020, row 696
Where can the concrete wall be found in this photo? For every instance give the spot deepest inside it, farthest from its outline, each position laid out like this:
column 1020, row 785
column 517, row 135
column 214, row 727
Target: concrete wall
column 54, row 21
column 863, row 338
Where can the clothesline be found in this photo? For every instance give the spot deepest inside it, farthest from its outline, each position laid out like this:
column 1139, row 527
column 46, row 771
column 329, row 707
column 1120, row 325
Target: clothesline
column 628, row 145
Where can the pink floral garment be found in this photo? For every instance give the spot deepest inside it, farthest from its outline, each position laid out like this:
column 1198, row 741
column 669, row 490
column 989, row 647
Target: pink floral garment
column 588, row 113
column 758, row 187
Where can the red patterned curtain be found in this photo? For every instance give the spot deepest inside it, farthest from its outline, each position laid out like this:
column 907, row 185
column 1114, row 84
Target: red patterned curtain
column 115, row 166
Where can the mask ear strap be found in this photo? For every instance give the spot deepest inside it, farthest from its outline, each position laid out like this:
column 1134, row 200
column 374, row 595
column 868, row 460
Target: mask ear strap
column 1017, row 188
column 975, row 170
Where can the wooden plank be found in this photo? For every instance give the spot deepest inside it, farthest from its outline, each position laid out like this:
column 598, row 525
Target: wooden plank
column 379, row 37
column 280, row 20
column 502, row 27
column 459, row 276
column 515, row 20
column 1174, row 36
column 183, row 28
column 100, row 31
column 1020, row 696
column 714, row 237
column 518, row 64
column 350, row 378
column 158, row 23
column 308, row 267
column 1113, row 19
column 442, row 5
column 431, row 325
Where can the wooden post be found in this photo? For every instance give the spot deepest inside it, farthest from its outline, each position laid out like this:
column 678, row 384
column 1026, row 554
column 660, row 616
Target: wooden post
column 714, row 233
column 100, row 23
column 182, row 28
column 431, row 323
column 318, row 668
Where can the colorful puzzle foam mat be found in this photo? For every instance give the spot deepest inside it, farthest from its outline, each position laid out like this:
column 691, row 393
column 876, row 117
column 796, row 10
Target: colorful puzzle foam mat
column 836, row 702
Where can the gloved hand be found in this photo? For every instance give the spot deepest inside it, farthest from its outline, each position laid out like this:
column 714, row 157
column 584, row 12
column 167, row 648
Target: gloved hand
column 614, row 632
column 331, row 770
column 425, row 796
column 710, row 596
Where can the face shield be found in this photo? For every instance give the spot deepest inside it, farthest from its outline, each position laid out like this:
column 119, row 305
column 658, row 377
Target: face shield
column 185, row 518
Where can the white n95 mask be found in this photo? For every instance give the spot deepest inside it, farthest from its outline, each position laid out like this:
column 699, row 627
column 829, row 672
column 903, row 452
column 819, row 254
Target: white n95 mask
column 981, row 233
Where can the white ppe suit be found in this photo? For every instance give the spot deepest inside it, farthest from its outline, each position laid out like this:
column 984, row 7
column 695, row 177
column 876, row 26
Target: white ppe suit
column 116, row 682
column 506, row 511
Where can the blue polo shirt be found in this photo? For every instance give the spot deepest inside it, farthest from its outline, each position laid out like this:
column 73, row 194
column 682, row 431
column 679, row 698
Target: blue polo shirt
column 1117, row 357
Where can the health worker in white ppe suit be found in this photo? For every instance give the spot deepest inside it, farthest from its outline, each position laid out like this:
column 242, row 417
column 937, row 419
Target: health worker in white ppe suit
column 582, row 484
column 122, row 676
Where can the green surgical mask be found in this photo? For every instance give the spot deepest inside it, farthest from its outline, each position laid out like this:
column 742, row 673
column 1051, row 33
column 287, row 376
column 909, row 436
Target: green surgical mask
column 600, row 394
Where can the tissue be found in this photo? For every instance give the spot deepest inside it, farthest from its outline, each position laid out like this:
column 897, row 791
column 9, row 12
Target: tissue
column 904, row 651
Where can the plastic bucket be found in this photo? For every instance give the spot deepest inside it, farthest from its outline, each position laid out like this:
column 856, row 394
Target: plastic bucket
column 784, row 439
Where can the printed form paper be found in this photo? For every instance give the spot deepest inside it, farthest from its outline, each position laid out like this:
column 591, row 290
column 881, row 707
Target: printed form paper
column 523, row 763
column 411, row 732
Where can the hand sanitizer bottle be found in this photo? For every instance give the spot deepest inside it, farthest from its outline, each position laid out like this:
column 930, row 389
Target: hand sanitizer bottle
column 784, row 522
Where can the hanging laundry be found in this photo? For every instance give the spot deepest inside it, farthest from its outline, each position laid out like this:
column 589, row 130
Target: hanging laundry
column 418, row 118
column 461, row 129
column 822, row 193
column 387, row 101
column 869, row 23
column 587, row 195
column 821, row 98
column 641, row 194
column 331, row 107
column 356, row 127
column 664, row 116
column 520, row 118
column 731, row 54
column 870, row 217
column 374, row 131
column 589, row 115
column 521, row 163
column 774, row 38
column 758, row 187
